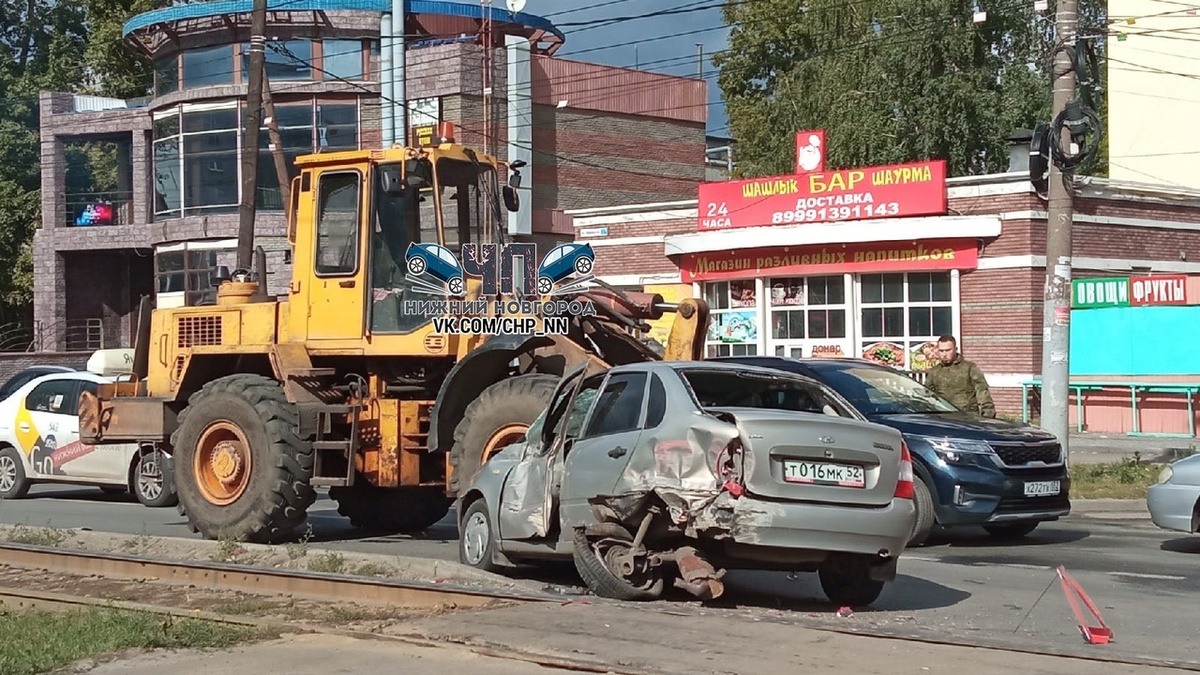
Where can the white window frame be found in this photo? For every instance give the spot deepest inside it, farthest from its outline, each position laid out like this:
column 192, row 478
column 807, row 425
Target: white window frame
column 770, row 342
column 760, row 343
column 908, row 338
column 854, row 307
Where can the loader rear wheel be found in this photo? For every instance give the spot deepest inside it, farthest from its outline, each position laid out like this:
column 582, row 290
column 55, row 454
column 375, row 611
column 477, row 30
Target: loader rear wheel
column 497, row 418
column 391, row 510
column 241, row 472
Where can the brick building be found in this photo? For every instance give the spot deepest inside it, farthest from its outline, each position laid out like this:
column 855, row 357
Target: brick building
column 884, row 289
column 591, row 134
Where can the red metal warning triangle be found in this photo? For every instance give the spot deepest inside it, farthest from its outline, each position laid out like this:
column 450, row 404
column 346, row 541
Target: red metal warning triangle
column 1096, row 635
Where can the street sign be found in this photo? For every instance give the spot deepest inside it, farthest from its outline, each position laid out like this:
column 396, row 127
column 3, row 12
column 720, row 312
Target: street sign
column 1100, row 292
column 896, row 191
column 1160, row 289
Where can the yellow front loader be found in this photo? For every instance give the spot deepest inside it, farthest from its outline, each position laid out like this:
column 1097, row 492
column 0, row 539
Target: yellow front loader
column 343, row 382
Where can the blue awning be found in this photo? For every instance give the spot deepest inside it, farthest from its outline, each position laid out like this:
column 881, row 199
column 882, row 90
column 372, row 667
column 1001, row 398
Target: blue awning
column 214, row 8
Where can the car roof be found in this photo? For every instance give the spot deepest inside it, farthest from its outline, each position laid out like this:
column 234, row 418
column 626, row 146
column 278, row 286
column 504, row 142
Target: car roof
column 711, row 365
column 85, row 375
column 46, row 368
column 814, row 363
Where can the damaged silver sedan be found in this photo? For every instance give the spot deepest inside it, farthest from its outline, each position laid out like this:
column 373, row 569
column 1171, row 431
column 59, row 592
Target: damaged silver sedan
column 669, row 473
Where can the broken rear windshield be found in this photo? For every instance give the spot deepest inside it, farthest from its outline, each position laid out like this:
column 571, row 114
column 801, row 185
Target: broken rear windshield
column 741, row 389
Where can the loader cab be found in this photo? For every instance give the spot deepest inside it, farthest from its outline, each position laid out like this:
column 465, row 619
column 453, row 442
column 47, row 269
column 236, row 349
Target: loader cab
column 363, row 217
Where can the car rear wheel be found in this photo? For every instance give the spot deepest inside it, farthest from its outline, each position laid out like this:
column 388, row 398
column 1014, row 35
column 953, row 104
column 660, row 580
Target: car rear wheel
column 847, row 582
column 926, row 518
column 153, row 485
column 592, row 561
column 14, row 484
column 1011, row 530
column 476, row 546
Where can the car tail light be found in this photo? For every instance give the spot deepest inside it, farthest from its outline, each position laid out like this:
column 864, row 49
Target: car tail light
column 904, row 486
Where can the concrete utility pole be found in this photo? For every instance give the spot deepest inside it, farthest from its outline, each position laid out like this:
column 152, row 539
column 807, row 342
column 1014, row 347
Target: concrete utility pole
column 281, row 171
column 1056, row 318
column 246, row 210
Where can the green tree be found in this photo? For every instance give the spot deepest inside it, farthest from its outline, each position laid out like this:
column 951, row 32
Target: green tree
column 889, row 80
column 48, row 45
column 117, row 69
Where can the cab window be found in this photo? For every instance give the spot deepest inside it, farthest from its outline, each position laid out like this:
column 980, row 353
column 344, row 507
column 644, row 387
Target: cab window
column 54, row 396
column 464, row 206
column 396, row 224
column 338, row 200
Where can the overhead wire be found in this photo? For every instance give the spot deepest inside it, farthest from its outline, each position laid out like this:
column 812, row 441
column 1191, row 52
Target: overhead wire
column 908, row 35
column 913, row 34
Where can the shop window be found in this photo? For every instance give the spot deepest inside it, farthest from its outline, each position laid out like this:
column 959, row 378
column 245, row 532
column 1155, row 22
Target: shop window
column 207, row 66
column 166, row 75
column 902, row 315
column 187, row 273
column 197, row 151
column 210, row 172
column 295, row 124
column 733, row 330
column 337, row 126
column 807, row 313
column 342, row 59
column 168, row 177
column 285, row 60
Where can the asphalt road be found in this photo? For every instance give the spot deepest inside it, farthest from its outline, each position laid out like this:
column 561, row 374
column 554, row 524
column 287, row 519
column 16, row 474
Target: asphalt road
column 961, row 586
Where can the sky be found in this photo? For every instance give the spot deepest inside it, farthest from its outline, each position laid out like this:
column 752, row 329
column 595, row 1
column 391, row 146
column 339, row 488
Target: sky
column 674, row 55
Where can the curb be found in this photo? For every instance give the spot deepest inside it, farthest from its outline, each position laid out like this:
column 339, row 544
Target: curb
column 1119, row 509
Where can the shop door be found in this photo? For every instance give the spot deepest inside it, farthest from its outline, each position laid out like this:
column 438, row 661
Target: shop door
column 808, row 316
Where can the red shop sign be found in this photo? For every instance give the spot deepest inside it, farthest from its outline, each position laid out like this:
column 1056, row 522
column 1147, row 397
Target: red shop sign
column 884, row 256
column 850, row 194
column 1160, row 289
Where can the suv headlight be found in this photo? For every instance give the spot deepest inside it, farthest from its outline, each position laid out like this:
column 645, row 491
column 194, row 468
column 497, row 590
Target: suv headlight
column 1165, row 474
column 959, row 451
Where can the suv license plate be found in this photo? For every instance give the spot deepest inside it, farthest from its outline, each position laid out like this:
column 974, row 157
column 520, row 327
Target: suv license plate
column 1044, row 488
column 824, row 473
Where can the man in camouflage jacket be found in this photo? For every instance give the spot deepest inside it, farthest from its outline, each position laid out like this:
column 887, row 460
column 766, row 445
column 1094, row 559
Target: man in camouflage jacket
column 960, row 381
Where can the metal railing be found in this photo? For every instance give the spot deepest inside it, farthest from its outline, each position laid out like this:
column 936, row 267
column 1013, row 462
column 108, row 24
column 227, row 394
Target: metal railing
column 98, row 209
column 77, row 335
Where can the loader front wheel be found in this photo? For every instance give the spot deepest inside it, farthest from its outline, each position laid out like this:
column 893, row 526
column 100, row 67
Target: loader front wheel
column 241, row 472
column 501, row 414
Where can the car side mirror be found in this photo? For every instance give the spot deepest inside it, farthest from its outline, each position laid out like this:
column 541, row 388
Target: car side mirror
column 390, row 181
column 512, row 201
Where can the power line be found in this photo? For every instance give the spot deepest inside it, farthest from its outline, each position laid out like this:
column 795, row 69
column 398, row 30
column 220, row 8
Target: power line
column 901, row 37
column 585, row 8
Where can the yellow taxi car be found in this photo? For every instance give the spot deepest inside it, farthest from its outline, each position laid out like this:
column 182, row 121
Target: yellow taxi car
column 39, row 442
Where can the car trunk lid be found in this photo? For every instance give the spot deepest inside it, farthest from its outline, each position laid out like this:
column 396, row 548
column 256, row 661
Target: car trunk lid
column 819, row 458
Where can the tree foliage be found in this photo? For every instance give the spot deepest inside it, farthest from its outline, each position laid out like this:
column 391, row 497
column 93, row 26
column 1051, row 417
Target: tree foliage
column 889, row 80
column 50, row 45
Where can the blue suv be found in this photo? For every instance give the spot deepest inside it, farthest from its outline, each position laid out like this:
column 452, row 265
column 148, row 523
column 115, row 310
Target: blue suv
column 973, row 470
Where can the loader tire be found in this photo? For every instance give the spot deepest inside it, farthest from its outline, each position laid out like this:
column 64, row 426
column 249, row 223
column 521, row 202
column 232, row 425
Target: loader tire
column 241, row 471
column 391, row 510
column 502, row 412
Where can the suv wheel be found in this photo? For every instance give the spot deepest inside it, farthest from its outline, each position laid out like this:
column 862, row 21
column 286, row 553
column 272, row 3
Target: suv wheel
column 926, row 518
column 1011, row 530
